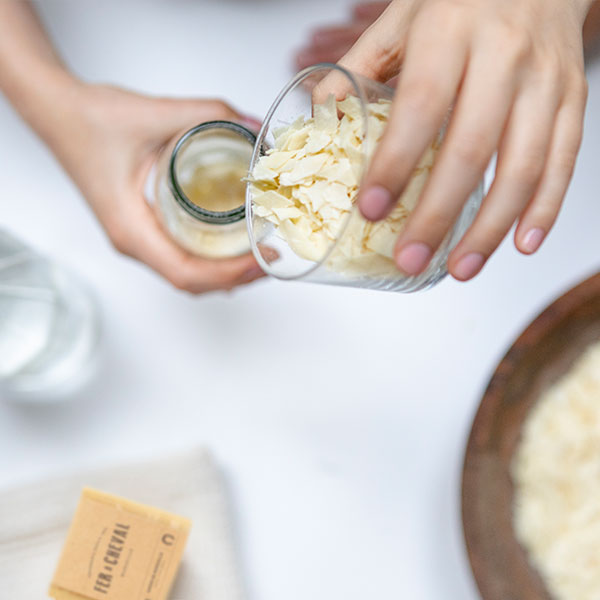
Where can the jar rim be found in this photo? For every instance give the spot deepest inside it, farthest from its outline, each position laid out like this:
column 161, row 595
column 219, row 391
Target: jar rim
column 202, row 214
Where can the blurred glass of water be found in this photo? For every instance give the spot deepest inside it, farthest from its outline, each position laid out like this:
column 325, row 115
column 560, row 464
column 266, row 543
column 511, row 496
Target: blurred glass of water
column 49, row 326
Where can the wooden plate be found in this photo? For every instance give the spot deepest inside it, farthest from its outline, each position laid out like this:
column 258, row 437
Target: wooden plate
column 542, row 354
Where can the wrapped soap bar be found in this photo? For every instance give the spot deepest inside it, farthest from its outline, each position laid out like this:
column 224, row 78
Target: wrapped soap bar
column 117, row 549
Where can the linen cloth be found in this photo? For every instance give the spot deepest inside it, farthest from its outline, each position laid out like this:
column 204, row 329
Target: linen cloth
column 34, row 520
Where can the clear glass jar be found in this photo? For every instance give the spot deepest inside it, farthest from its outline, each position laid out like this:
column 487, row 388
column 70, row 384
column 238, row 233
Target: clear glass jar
column 198, row 192
column 49, row 327
column 339, row 261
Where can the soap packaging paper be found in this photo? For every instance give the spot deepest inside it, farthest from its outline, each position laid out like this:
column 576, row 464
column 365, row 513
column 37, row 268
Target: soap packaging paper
column 117, row 549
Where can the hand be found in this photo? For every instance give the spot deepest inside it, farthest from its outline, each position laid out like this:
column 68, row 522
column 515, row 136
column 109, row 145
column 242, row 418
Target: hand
column 107, row 139
column 108, row 145
column 514, row 71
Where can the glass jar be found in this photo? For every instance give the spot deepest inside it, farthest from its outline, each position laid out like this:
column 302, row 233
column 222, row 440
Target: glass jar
column 348, row 254
column 49, row 327
column 198, row 192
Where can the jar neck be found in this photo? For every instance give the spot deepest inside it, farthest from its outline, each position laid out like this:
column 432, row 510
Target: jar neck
column 198, row 212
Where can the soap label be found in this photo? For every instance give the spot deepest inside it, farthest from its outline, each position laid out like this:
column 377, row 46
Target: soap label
column 112, row 553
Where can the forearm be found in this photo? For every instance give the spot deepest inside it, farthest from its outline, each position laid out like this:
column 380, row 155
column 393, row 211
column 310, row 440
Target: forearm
column 32, row 76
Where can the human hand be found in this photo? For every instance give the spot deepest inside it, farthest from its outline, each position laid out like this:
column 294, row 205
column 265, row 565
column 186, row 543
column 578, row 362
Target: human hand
column 108, row 146
column 514, row 71
column 107, row 139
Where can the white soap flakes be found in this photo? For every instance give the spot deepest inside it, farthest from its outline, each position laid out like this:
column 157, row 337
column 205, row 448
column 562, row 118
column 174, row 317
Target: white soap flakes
column 306, row 186
column 326, row 119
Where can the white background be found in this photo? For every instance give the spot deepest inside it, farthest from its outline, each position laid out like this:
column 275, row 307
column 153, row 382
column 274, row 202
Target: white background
column 340, row 416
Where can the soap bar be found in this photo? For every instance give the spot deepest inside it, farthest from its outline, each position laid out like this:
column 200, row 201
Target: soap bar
column 117, row 549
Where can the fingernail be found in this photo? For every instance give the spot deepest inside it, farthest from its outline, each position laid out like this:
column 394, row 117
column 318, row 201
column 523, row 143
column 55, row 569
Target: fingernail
column 468, row 266
column 251, row 123
column 533, row 239
column 269, row 254
column 412, row 259
column 375, row 202
column 253, row 273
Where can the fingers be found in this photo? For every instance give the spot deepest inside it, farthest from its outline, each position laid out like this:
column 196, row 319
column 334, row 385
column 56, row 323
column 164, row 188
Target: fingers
column 197, row 275
column 163, row 120
column 379, row 51
column 173, row 115
column 313, row 55
column 485, row 59
column 543, row 209
column 330, row 44
column 473, row 135
column 427, row 86
column 376, row 55
column 521, row 159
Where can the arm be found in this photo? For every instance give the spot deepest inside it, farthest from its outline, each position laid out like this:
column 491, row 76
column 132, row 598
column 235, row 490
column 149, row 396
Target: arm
column 122, row 133
column 32, row 76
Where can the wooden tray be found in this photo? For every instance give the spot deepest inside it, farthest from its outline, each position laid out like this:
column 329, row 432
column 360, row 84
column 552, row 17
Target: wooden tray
column 542, row 354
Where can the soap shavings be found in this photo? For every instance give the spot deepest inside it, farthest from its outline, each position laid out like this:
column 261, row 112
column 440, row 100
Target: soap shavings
column 307, row 184
column 555, row 473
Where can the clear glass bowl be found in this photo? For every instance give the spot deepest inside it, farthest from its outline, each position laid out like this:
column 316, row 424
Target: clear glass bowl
column 298, row 98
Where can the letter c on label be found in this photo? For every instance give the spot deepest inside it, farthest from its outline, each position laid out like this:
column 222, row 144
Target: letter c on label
column 168, row 539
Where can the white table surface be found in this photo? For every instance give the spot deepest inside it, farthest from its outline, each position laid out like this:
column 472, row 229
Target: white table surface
column 340, row 416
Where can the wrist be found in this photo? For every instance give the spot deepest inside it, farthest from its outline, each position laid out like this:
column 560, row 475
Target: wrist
column 46, row 100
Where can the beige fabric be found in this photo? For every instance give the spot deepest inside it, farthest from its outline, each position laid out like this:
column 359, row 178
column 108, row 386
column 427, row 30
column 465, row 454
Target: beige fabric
column 34, row 520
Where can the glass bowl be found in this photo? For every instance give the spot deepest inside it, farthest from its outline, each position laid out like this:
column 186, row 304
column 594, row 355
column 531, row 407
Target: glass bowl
column 334, row 264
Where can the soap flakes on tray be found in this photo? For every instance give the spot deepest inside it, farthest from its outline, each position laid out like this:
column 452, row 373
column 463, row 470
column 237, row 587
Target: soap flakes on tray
column 555, row 473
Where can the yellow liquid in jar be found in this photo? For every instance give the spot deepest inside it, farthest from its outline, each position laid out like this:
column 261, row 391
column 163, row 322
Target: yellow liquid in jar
column 217, row 187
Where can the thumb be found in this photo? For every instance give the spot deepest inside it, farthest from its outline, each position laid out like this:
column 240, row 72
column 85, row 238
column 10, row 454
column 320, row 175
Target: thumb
column 182, row 114
column 377, row 54
column 379, row 51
